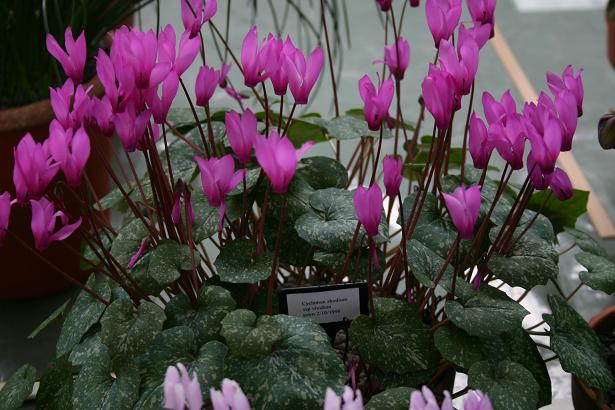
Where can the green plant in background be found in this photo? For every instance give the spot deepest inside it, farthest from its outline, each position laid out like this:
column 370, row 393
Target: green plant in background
column 26, row 69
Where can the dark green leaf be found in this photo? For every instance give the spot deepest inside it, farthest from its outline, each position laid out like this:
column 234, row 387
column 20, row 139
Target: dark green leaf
column 85, row 312
column 487, row 314
column 397, row 341
column 586, row 242
column 161, row 265
column 110, row 385
column 323, row 172
column 509, row 385
column 579, row 349
column 128, row 330
column 458, row 347
column 391, row 399
column 17, row 388
column 295, row 374
column 248, row 337
column 238, row 262
column 301, row 132
column 90, row 347
column 600, row 274
column 206, row 216
column 563, row 214
column 346, row 127
column 425, row 264
column 358, row 266
column 56, row 388
column 128, row 240
column 214, row 303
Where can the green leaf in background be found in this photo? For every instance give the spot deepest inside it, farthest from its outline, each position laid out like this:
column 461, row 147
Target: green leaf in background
column 83, row 315
column 301, row 132
column 577, row 345
column 298, row 197
column 509, row 385
column 206, row 216
column 563, row 214
column 600, row 274
column 458, row 347
column 161, row 265
column 398, row 341
column 17, row 388
column 487, row 314
column 90, row 347
column 182, row 118
column 214, row 302
column 358, row 266
column 323, row 172
column 586, row 242
column 391, row 399
column 127, row 330
column 128, row 240
column 425, row 264
column 347, row 127
column 111, row 385
column 248, row 337
column 295, row 374
column 519, row 347
column 56, row 388
column 238, row 262
column 529, row 263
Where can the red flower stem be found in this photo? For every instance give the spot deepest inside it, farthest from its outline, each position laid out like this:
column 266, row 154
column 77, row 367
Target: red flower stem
column 196, row 117
column 449, row 257
column 465, row 134
column 340, row 276
column 377, row 158
column 531, row 222
column 166, row 154
column 210, row 131
column 290, row 119
column 187, row 141
column 370, row 295
column 330, row 58
column 281, row 113
column 276, row 256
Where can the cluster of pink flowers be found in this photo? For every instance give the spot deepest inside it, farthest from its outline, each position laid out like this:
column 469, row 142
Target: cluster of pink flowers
column 549, row 124
column 182, row 392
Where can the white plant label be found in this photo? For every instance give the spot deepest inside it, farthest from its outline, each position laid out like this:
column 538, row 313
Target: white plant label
column 328, row 306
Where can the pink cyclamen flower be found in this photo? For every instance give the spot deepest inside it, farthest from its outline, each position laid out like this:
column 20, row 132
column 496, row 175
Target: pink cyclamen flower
column 278, row 50
column 135, row 258
column 134, row 53
column 234, row 94
column 438, row 93
column 397, row 65
column 464, row 207
column 70, row 149
column 34, row 168
column 508, row 139
column 442, row 18
column 392, row 168
column 498, row 111
column 241, row 131
column 230, row 397
column 195, row 14
column 61, row 101
column 5, row 214
column 540, row 181
column 160, row 105
column 44, row 221
column 131, row 126
column 545, row 143
column 302, row 74
column 424, row 399
column 278, row 158
column 207, row 80
column 368, row 208
column 480, row 143
column 103, row 115
column 560, row 185
column 568, row 81
column 376, row 102
column 385, row 5
column 350, row 400
column 180, row 391
column 566, row 108
column 178, row 207
column 167, row 59
column 477, row 400
column 482, row 11
column 461, row 64
column 253, row 59
column 73, row 59
column 479, row 32
column 218, row 178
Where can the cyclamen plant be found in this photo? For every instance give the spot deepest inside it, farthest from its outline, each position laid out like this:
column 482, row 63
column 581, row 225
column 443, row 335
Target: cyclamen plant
column 231, row 208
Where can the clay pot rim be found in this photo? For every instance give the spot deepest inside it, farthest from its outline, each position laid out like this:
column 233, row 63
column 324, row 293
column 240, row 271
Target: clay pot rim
column 593, row 323
column 36, row 114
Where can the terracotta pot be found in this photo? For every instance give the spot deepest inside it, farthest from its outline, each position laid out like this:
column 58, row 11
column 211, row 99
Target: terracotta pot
column 583, row 397
column 22, row 274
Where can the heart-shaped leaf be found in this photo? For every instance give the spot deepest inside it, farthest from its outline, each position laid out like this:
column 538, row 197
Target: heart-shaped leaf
column 600, row 274
column 17, row 388
column 213, row 303
column 128, row 330
column 397, row 341
column 396, row 398
column 323, row 172
column 487, row 314
column 579, row 349
column 56, row 387
column 238, row 262
column 586, row 242
column 248, row 337
column 509, row 385
column 458, row 347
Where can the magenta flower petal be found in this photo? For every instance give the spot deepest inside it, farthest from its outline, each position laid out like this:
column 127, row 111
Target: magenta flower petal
column 560, row 185
column 73, row 59
column 392, row 174
column 464, row 207
column 368, row 208
column 241, row 132
column 5, row 213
